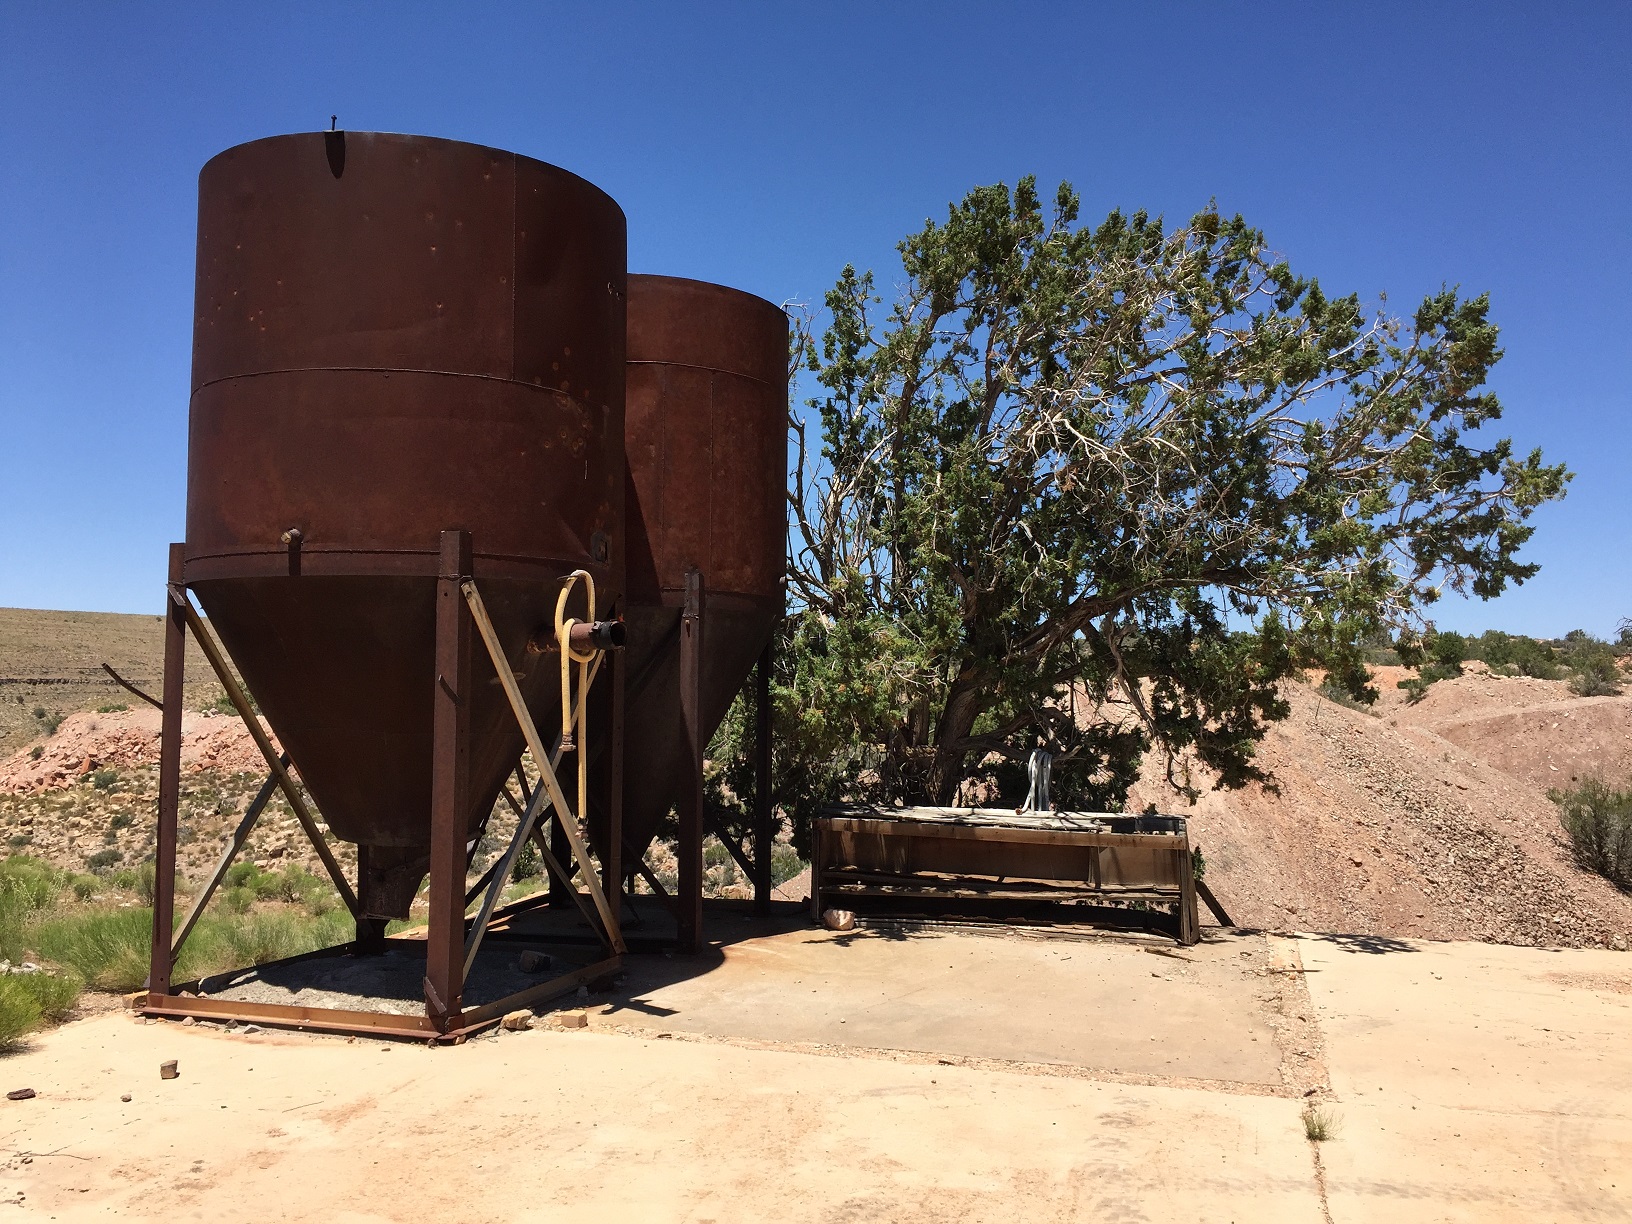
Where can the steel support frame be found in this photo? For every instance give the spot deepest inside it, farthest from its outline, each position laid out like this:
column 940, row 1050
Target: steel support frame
column 446, row 1019
column 764, row 824
column 689, row 808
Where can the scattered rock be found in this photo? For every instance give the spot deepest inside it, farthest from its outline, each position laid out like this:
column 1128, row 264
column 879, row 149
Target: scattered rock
column 572, row 1020
column 169, row 1069
column 517, row 1021
column 125, row 1097
column 534, row 962
column 838, row 920
column 583, row 992
column 21, row 1094
column 188, row 1021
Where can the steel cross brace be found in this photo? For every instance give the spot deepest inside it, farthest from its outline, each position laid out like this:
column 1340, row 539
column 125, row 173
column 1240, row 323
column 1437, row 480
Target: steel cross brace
column 240, row 702
column 550, row 786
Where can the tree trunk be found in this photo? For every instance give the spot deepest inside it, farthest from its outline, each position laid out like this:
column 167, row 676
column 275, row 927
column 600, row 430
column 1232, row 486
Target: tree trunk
column 963, row 706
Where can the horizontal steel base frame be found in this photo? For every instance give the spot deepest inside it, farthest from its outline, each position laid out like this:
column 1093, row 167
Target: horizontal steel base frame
column 366, row 1023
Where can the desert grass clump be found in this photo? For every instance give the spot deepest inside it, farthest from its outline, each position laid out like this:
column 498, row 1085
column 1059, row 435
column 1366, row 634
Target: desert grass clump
column 19, row 1014
column 1319, row 1123
column 1597, row 818
column 107, row 948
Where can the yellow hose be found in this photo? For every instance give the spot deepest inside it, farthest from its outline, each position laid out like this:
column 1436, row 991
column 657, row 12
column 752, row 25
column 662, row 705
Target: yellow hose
column 573, row 713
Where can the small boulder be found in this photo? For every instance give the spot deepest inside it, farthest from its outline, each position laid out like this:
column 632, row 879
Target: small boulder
column 169, row 1069
column 572, row 1020
column 517, row 1021
column 21, row 1094
column 838, row 920
column 534, row 962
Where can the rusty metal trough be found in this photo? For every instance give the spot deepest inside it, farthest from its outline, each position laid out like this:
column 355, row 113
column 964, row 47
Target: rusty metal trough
column 988, row 860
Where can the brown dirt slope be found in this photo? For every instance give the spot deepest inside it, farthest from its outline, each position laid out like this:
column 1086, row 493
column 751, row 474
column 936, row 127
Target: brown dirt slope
column 1427, row 820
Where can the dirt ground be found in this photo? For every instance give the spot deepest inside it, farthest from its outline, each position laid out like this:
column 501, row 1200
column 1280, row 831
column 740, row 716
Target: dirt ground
column 1464, row 1082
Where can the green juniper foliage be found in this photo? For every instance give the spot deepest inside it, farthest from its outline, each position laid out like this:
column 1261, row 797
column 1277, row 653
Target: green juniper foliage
column 1067, row 465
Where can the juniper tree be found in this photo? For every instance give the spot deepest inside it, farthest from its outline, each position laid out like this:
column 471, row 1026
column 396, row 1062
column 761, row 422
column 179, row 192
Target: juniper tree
column 1101, row 489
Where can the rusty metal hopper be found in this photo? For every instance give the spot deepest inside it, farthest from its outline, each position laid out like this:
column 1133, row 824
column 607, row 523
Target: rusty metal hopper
column 706, row 445
column 394, row 336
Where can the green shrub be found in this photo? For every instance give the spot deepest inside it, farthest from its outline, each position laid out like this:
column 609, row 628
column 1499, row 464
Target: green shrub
column 1597, row 672
column 51, row 722
column 241, row 875
column 529, row 865
column 19, row 1013
column 36, row 752
column 295, row 884
column 1597, row 818
column 121, row 821
column 103, row 779
column 37, row 883
column 107, row 948
column 145, row 881
column 1503, row 650
column 113, row 707
column 103, row 859
column 18, row 840
column 785, row 864
column 238, row 900
column 264, row 937
column 39, row 711
column 1416, row 687
column 54, row 993
column 85, row 886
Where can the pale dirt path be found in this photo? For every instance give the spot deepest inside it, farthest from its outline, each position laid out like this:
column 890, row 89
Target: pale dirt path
column 563, row 1126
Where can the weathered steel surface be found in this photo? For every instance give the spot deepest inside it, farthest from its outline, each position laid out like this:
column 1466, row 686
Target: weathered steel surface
column 706, row 445
column 394, row 336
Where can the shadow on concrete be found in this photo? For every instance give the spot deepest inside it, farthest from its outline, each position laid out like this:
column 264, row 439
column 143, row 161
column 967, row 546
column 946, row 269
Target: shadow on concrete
column 1373, row 945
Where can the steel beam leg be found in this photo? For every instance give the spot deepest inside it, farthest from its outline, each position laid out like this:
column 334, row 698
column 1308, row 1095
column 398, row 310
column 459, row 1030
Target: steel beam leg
column 164, row 861
column 370, row 930
column 690, row 805
column 612, row 867
column 450, row 787
column 764, row 830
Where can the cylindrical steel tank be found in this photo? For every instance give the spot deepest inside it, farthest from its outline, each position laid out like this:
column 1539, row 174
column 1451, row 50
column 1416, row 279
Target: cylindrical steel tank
column 705, row 438
column 397, row 335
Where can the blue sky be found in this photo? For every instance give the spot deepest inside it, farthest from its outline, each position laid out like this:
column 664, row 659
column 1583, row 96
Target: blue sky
column 1381, row 147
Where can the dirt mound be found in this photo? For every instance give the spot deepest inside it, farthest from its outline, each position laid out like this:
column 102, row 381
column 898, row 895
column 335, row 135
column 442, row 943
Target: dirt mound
column 1423, row 820
column 126, row 739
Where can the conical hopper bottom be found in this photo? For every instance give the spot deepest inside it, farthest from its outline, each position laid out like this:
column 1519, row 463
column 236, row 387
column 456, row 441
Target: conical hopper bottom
column 343, row 668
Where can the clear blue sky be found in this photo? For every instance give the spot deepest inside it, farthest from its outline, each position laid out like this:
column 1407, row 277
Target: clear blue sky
column 1381, row 147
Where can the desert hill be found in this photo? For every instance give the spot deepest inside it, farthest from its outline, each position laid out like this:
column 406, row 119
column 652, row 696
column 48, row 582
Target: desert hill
column 1427, row 820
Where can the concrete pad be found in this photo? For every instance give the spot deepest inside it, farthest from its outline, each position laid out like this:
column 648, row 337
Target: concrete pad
column 1098, row 1003
column 557, row 1126
column 1475, row 1082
